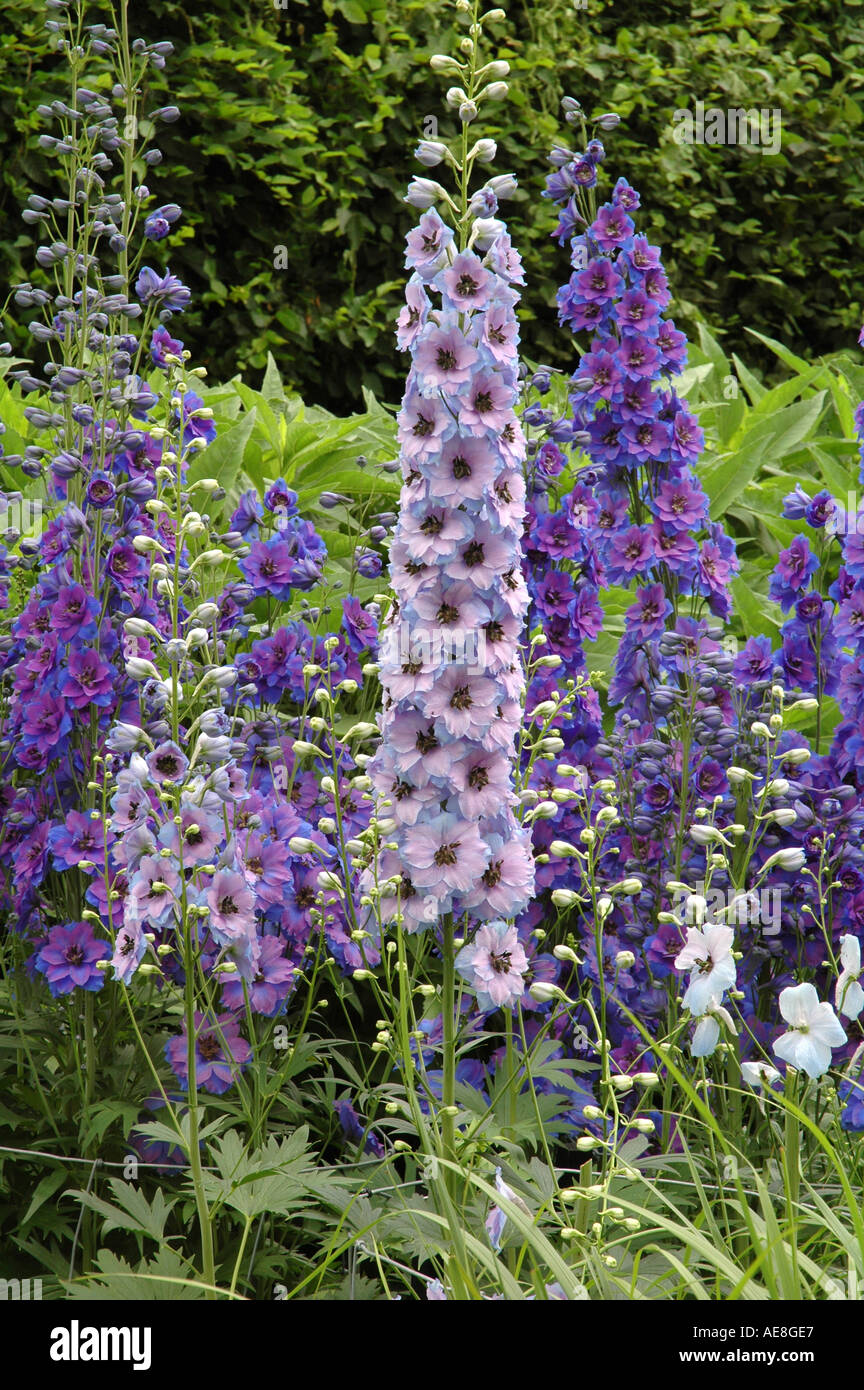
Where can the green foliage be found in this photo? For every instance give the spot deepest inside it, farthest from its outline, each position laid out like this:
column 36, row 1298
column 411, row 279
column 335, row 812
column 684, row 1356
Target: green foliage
column 297, row 133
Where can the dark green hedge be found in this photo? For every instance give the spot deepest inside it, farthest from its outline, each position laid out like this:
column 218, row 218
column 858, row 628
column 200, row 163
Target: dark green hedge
column 298, row 128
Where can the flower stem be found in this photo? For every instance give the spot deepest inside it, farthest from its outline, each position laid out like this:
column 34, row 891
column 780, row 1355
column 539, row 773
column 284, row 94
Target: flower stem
column 448, row 1088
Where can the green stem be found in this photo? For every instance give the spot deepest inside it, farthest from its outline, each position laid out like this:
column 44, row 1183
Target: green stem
column 792, row 1165
column 448, row 1089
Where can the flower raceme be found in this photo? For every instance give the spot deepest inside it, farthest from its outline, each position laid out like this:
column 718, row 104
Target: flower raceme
column 450, row 663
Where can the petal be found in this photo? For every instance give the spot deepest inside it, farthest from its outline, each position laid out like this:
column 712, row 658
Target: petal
column 797, row 1003
column 706, row 1036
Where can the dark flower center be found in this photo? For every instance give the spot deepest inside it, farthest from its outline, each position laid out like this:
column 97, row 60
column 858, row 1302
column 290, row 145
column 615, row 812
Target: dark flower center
column 483, row 402
column 426, row 742
column 209, row 1048
column 446, row 359
column 461, row 698
column 466, row 286
column 461, row 468
column 75, row 955
column 500, row 961
column 478, row 778
column 446, row 854
column 492, row 876
column 474, row 553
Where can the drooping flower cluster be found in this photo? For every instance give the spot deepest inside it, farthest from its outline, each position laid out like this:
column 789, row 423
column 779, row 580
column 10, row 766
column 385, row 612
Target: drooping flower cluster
column 450, row 661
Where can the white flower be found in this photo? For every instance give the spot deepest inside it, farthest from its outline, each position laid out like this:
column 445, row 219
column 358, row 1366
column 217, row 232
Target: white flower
column 814, row 1031
column 706, row 1036
column 707, row 1032
column 708, row 956
column 849, row 997
column 760, row 1074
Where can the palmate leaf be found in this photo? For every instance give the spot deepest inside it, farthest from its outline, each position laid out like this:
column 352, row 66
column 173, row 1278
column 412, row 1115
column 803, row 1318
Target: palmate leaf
column 133, row 1211
column 272, row 1179
column 166, row 1276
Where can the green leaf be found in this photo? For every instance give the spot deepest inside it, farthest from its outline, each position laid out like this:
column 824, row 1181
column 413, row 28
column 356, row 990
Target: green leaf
column 758, row 613
column 223, row 459
column 785, row 354
column 774, row 437
column 45, row 1188
column 272, row 388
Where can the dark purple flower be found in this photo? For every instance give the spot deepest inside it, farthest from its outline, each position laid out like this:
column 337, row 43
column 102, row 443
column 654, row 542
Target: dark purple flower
column 360, row 625
column 74, row 614
column 161, row 343
column 220, row 1052
column 68, row 959
column 100, row 490
column 271, row 984
column 158, row 223
column 89, row 680
column 368, row 562
column 164, row 290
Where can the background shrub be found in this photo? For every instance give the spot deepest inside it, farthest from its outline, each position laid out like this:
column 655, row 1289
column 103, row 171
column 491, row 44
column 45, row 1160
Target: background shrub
column 297, row 133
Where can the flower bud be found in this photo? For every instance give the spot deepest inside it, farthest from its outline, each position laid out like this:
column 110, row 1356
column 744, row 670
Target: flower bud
column 431, row 152
column 544, row 993
column 326, row 879
column 566, row 953
column 299, row 844
column 484, row 151
column 630, row 886
column 790, row 860
column 796, row 756
column 444, row 64
column 495, row 70
column 139, row 669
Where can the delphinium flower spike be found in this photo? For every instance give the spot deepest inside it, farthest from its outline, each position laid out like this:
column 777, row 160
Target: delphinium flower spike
column 450, row 660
